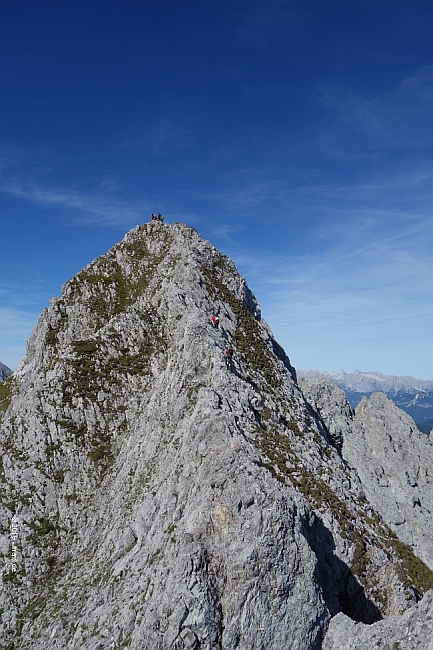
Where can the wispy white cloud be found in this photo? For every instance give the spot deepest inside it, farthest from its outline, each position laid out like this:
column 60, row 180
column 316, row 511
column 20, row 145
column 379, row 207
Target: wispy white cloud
column 249, row 195
column 388, row 197
column 95, row 207
column 360, row 289
column 16, row 326
column 399, row 117
column 244, row 190
column 16, row 322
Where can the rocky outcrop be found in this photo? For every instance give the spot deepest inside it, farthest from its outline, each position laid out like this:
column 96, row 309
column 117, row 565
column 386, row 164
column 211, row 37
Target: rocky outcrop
column 5, row 372
column 392, row 459
column 411, row 631
column 398, row 475
column 153, row 498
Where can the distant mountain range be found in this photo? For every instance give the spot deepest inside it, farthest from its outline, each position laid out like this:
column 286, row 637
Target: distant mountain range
column 5, row 372
column 414, row 396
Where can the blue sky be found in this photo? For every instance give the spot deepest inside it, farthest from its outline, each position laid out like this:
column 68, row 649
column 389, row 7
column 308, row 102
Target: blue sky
column 295, row 135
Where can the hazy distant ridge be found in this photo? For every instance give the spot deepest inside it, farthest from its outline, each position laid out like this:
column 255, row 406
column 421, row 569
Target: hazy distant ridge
column 372, row 381
column 415, row 396
column 5, row 372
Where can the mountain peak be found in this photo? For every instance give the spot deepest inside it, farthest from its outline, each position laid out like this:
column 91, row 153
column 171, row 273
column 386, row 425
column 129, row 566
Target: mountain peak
column 160, row 499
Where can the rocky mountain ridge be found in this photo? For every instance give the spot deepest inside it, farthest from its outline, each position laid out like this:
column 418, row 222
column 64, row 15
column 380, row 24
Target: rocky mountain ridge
column 414, row 396
column 387, row 464
column 154, row 499
column 5, row 372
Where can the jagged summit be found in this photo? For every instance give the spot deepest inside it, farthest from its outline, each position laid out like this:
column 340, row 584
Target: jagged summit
column 159, row 500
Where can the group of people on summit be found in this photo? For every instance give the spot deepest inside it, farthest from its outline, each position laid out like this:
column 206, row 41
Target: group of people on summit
column 157, row 217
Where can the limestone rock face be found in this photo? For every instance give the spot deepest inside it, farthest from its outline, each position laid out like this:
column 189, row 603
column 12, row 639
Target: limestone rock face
column 154, row 499
column 399, row 474
column 392, row 459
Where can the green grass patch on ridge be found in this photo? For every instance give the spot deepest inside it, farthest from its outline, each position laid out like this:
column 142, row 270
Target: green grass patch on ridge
column 284, row 464
column 7, row 389
column 248, row 335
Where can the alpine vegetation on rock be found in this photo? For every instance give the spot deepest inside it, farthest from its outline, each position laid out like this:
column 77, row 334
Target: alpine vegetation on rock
column 154, row 498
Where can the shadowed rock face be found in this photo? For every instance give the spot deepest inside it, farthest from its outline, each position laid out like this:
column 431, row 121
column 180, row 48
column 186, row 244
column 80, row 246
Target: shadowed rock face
column 155, row 499
column 410, row 631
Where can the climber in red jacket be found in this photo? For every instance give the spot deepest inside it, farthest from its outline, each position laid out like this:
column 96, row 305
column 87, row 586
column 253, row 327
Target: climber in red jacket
column 214, row 321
